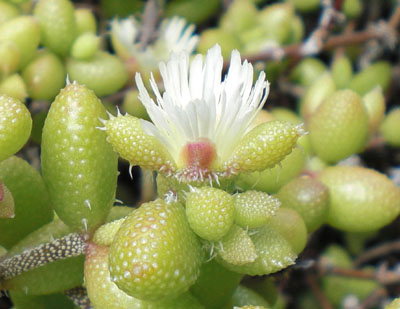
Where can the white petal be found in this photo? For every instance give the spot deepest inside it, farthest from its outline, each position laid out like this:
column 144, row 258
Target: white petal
column 197, row 104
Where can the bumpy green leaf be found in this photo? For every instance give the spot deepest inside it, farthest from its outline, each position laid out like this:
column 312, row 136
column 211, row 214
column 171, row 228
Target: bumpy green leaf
column 361, row 199
column 57, row 24
column 209, row 212
column 155, row 255
column 79, row 166
column 339, row 127
column 103, row 73
column 32, row 203
column 128, row 138
column 104, row 293
column 253, row 208
column 309, row 197
column 44, row 76
column 263, row 147
column 15, row 125
column 24, row 31
column 274, row 253
column 237, row 247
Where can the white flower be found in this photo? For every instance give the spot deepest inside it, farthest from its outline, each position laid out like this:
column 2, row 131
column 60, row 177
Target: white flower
column 174, row 35
column 199, row 109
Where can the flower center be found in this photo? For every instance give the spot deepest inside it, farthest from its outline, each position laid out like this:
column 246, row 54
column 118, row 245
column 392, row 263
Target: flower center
column 200, row 154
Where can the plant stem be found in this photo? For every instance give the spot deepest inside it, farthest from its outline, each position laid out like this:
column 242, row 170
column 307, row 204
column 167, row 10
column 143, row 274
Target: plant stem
column 79, row 296
column 65, row 247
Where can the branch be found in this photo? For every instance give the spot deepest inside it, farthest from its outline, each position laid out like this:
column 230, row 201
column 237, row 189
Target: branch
column 345, row 39
column 65, row 247
column 315, row 42
column 150, row 19
column 324, row 302
column 377, row 252
column 382, row 275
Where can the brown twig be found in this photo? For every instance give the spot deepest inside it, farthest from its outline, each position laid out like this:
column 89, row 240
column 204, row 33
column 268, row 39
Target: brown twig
column 378, row 251
column 324, row 302
column 150, row 19
column 341, row 40
column 382, row 275
column 349, row 28
column 293, row 50
column 349, row 272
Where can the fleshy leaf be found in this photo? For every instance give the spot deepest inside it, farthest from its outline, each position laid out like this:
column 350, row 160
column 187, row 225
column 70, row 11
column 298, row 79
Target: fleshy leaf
column 237, row 247
column 128, row 138
column 263, row 147
column 274, row 253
